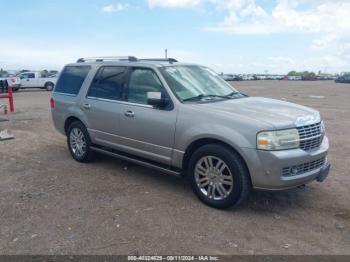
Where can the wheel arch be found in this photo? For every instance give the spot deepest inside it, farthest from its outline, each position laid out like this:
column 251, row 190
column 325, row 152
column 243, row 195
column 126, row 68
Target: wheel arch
column 205, row 141
column 49, row 82
column 69, row 121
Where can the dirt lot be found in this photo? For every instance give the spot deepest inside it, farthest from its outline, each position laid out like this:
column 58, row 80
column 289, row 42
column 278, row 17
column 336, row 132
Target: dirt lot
column 50, row 204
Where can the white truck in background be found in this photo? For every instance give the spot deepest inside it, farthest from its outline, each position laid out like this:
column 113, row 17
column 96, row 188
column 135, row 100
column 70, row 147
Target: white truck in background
column 11, row 80
column 37, row 80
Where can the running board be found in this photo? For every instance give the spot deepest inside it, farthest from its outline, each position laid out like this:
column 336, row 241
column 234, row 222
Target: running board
column 136, row 161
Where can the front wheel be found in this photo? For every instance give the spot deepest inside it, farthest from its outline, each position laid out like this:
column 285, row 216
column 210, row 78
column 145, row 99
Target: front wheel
column 79, row 143
column 219, row 176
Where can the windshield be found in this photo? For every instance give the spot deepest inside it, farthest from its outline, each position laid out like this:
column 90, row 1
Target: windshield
column 190, row 82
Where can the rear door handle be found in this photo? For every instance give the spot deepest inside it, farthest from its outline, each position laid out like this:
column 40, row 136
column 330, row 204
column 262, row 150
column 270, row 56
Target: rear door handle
column 87, row 106
column 129, row 113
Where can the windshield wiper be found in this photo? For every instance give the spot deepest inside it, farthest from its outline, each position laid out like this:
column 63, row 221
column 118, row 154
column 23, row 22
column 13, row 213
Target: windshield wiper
column 201, row 96
column 235, row 94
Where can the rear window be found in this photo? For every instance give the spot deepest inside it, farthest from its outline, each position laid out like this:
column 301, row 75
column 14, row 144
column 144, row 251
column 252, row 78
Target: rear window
column 71, row 79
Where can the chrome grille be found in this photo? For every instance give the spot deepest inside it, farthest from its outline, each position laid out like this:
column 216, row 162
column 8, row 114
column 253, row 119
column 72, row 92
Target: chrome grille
column 303, row 168
column 310, row 136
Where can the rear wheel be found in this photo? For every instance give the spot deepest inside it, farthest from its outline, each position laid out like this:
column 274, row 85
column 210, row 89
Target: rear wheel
column 219, row 176
column 49, row 86
column 79, row 143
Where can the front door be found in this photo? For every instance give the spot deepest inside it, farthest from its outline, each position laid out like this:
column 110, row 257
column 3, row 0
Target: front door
column 28, row 80
column 146, row 131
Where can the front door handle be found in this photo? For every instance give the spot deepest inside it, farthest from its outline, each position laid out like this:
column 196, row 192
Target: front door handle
column 87, row 106
column 129, row 113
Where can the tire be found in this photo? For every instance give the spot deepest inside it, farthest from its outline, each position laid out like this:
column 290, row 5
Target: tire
column 79, row 143
column 229, row 181
column 49, row 86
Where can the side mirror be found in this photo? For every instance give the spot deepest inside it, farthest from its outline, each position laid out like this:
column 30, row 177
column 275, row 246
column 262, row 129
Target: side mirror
column 155, row 99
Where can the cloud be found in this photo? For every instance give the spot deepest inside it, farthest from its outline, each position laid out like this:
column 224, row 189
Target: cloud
column 114, row 8
column 328, row 21
column 247, row 17
column 173, row 3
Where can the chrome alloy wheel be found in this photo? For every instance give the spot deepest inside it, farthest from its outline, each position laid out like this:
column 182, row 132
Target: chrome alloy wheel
column 77, row 142
column 213, row 177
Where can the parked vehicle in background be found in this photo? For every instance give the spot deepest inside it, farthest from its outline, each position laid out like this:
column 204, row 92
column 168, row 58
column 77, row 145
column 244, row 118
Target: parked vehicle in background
column 37, row 80
column 237, row 78
column 343, row 79
column 185, row 119
column 247, row 77
column 294, row 78
column 309, row 78
column 280, row 77
column 228, row 77
column 12, row 81
column 326, row 77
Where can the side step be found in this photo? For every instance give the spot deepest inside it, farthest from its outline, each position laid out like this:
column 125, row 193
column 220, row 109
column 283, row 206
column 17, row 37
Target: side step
column 136, row 161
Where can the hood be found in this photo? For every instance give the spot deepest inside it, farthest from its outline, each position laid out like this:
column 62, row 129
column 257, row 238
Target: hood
column 279, row 114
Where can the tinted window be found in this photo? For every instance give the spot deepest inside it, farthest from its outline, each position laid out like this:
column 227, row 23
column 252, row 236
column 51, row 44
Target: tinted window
column 31, row 75
column 108, row 83
column 24, row 76
column 141, row 82
column 71, row 79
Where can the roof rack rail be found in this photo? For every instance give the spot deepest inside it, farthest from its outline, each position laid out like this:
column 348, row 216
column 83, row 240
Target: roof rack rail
column 107, row 58
column 170, row 60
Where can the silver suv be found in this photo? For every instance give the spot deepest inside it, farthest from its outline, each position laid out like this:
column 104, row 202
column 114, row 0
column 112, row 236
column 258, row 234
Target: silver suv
column 185, row 119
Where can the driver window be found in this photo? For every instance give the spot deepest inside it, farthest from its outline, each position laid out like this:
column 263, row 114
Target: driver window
column 142, row 81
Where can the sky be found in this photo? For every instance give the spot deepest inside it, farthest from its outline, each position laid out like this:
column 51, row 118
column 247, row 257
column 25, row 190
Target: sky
column 230, row 36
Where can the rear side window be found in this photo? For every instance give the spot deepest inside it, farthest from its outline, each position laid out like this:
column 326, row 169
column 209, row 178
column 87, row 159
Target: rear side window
column 109, row 83
column 27, row 75
column 71, row 79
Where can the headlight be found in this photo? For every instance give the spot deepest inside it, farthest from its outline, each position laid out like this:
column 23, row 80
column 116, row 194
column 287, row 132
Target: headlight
column 278, row 140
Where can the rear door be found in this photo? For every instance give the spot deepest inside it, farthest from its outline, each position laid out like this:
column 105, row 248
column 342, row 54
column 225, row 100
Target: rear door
column 146, row 131
column 101, row 106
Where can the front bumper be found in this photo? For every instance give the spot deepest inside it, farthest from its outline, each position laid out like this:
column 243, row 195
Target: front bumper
column 267, row 167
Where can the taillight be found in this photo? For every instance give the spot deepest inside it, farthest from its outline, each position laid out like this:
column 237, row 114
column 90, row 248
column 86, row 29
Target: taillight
column 52, row 103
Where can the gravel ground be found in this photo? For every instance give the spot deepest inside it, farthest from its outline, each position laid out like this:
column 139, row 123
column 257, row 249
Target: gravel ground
column 50, row 204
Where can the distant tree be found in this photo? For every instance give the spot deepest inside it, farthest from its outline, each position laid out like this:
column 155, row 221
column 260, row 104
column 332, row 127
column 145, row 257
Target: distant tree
column 302, row 74
column 22, row 71
column 44, row 73
column 3, row 72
